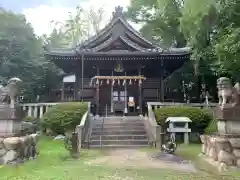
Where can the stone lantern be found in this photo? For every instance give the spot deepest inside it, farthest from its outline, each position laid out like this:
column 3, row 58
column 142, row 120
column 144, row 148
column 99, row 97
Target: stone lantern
column 10, row 114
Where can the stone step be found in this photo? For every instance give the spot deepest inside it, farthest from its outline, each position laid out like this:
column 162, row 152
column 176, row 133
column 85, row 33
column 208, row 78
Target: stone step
column 119, row 132
column 119, row 137
column 124, row 124
column 119, row 128
column 120, row 142
column 118, row 146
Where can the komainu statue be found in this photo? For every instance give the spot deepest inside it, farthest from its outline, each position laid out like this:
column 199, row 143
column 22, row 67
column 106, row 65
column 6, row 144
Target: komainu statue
column 10, row 91
column 228, row 95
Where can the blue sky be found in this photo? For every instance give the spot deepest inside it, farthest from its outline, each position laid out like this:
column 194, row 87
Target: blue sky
column 41, row 12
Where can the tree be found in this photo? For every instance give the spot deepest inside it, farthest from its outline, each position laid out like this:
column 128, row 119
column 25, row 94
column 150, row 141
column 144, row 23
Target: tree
column 198, row 24
column 226, row 41
column 161, row 20
column 80, row 25
column 21, row 55
column 95, row 20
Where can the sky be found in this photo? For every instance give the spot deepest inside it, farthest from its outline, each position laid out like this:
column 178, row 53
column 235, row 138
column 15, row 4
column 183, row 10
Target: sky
column 41, row 12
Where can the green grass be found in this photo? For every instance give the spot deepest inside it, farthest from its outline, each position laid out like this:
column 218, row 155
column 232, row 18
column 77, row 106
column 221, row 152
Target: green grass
column 53, row 164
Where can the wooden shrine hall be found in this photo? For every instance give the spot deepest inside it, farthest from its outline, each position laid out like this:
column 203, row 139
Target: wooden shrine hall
column 117, row 68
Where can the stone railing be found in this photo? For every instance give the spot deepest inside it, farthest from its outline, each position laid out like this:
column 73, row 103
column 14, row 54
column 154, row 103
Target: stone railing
column 84, row 130
column 152, row 128
column 155, row 105
column 38, row 109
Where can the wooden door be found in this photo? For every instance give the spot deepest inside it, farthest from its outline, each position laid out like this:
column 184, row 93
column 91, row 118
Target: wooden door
column 119, row 97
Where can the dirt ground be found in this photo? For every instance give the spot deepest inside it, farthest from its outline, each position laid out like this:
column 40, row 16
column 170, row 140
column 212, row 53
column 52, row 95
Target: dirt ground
column 138, row 159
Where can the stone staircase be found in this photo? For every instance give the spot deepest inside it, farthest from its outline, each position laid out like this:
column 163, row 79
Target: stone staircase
column 119, row 132
column 103, row 112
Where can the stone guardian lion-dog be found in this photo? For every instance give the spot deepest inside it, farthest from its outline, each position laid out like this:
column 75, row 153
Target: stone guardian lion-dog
column 228, row 95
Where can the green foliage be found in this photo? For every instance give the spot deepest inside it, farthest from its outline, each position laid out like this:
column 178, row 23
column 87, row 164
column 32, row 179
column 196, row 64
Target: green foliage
column 63, row 117
column 200, row 117
column 79, row 26
column 212, row 127
column 161, row 20
column 21, row 55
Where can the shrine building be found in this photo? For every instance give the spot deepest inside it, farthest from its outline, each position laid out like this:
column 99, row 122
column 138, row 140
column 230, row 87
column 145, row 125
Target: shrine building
column 117, row 69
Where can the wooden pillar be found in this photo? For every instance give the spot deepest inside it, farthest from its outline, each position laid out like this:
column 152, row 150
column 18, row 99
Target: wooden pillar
column 97, row 95
column 77, row 85
column 162, row 88
column 82, row 77
column 140, row 92
column 125, row 96
column 62, row 92
column 111, row 95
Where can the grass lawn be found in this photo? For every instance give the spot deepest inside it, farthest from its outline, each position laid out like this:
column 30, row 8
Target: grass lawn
column 53, row 164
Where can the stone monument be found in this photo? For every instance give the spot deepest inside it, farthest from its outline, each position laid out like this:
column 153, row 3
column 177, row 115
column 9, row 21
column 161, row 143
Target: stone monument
column 10, row 113
column 15, row 145
column 223, row 147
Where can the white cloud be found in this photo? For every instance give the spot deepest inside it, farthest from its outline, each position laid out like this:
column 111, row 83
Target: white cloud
column 41, row 16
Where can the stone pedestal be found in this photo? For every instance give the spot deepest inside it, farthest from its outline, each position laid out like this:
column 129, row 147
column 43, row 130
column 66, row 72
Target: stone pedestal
column 10, row 120
column 224, row 146
column 228, row 120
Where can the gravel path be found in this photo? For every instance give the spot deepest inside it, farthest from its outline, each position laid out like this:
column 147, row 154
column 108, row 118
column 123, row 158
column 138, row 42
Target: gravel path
column 140, row 159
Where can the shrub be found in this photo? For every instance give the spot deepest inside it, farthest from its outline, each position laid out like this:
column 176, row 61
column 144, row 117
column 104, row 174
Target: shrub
column 63, row 117
column 32, row 124
column 212, row 127
column 200, row 117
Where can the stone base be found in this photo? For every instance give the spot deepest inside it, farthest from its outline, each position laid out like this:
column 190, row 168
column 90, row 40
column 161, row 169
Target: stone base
column 222, row 149
column 229, row 113
column 9, row 127
column 228, row 127
column 18, row 149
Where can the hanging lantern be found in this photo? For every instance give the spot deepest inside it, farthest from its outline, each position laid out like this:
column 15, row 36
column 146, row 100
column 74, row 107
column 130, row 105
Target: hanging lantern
column 101, row 82
column 118, row 67
column 113, row 82
column 97, row 82
column 118, row 82
column 107, row 81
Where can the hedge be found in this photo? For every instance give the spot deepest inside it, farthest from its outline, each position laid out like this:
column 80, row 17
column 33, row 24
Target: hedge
column 212, row 127
column 63, row 117
column 200, row 117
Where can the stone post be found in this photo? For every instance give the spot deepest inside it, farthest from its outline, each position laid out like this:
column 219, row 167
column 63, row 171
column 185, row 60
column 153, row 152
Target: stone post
column 41, row 111
column 47, row 107
column 35, row 113
column 158, row 139
column 30, row 110
column 186, row 134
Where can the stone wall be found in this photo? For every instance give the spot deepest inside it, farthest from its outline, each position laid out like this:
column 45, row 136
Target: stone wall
column 223, row 149
column 18, row 149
